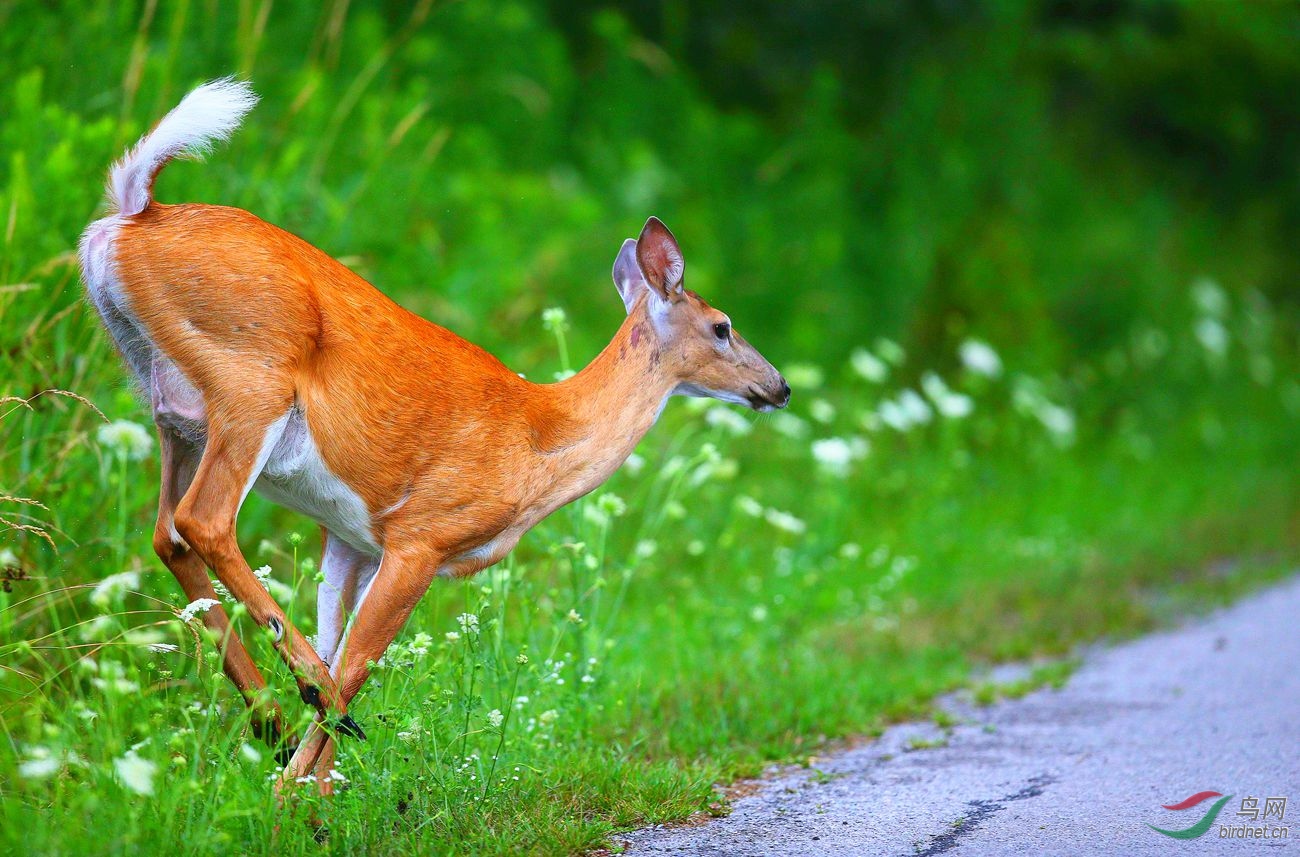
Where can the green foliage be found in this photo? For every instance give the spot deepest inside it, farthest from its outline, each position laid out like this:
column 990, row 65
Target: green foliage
column 1043, row 358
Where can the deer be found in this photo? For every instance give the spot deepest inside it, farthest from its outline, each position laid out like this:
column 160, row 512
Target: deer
column 271, row 367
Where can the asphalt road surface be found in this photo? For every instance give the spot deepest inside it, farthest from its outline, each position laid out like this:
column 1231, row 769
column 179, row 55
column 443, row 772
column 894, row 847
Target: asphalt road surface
column 1213, row 706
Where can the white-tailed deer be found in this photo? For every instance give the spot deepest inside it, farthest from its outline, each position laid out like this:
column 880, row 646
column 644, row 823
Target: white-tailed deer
column 272, row 367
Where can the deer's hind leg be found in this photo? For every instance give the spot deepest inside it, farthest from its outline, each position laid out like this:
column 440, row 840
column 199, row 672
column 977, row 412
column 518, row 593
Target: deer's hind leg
column 241, row 433
column 176, row 405
column 178, row 464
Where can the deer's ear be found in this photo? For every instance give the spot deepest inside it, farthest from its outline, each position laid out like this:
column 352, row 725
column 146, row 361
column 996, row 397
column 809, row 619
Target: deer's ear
column 660, row 259
column 627, row 275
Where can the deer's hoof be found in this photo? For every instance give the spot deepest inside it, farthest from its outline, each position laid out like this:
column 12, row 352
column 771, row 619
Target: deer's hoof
column 348, row 726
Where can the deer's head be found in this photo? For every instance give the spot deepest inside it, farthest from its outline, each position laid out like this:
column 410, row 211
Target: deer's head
column 696, row 341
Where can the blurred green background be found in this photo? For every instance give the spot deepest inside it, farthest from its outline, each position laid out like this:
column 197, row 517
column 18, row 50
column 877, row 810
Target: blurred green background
column 1028, row 267
column 1042, row 174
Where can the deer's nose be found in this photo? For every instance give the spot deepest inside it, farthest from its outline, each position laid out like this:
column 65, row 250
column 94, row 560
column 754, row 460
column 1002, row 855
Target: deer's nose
column 783, row 398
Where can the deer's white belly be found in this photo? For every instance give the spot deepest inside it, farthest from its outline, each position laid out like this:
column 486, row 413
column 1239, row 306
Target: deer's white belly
column 296, row 477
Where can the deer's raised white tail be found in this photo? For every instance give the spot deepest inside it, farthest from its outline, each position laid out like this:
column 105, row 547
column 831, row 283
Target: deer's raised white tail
column 271, row 367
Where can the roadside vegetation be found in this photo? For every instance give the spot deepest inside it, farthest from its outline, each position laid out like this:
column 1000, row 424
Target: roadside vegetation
column 1045, row 391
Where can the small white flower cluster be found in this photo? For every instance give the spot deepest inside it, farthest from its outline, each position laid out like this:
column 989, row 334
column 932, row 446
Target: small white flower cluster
column 124, row 438
column 1030, row 400
column 634, row 464
column 980, row 358
column 835, row 455
column 404, row 654
column 905, row 411
column 135, row 774
column 952, row 405
column 783, row 521
column 113, row 587
column 110, row 677
column 607, row 507
column 468, row 624
column 197, row 607
column 1212, row 307
column 869, row 366
column 42, row 762
column 555, row 319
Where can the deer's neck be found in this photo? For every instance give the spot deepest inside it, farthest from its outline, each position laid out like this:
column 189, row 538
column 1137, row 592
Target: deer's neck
column 610, row 405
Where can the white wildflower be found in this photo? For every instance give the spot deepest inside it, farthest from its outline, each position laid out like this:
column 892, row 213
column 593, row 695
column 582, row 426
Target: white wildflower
column 634, row 464
column 420, row 644
column 949, row 404
column 130, row 440
column 749, row 506
column 869, row 366
column 758, row 613
column 574, row 616
column 934, row 387
column 892, row 414
column 8, row 559
column 594, row 515
column 612, row 504
column 554, row 318
column 980, row 358
column 1213, row 336
column 452, row 636
column 1056, row 419
column 495, row 718
column 40, row 764
column 645, row 548
column 1210, row 298
column 39, row 768
column 197, row 607
column 956, row 406
column 821, row 410
column 833, row 455
column 113, row 587
column 468, row 623
column 728, row 420
column 135, row 773
column 890, row 351
column 785, row 521
column 251, row 753
column 335, row 776
column 548, row 717
column 914, row 407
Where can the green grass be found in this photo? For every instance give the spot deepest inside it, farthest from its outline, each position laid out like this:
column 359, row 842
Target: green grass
column 736, row 599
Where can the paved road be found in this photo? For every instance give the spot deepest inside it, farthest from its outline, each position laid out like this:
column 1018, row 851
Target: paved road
column 1213, row 706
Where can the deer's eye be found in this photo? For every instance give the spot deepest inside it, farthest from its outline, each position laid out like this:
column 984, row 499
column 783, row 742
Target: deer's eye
column 722, row 330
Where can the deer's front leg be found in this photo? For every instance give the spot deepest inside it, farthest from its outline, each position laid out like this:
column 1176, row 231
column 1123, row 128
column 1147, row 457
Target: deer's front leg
column 401, row 581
